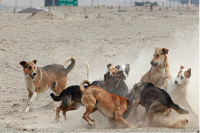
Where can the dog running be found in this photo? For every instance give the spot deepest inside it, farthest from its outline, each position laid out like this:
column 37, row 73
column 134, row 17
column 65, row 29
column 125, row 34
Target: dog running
column 39, row 79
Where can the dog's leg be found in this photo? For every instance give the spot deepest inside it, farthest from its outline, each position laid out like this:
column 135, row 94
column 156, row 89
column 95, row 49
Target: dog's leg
column 145, row 115
column 57, row 113
column 185, row 102
column 31, row 101
column 134, row 107
column 89, row 109
column 156, row 107
column 29, row 97
column 74, row 106
column 118, row 118
column 165, row 83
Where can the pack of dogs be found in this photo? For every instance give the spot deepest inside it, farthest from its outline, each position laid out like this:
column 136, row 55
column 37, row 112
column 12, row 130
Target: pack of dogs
column 158, row 92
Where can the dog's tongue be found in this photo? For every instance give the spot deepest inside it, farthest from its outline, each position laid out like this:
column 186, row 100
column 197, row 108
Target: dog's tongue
column 32, row 77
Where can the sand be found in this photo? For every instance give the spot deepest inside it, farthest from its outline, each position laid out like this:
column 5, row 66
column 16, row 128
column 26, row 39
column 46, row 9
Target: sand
column 100, row 38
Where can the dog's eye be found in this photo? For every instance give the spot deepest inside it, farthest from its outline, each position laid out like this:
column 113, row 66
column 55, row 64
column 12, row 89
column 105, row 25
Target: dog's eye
column 113, row 73
column 182, row 77
column 157, row 55
column 29, row 67
column 109, row 69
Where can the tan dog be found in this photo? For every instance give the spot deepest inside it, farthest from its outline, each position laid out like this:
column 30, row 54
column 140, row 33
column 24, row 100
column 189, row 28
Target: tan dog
column 112, row 106
column 159, row 74
column 39, row 79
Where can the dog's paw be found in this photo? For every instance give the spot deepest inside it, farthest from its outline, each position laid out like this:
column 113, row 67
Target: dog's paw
column 90, row 123
column 139, row 124
column 26, row 109
column 57, row 120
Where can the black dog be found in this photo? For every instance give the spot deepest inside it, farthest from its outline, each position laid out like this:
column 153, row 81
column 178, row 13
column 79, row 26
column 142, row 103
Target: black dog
column 71, row 100
column 155, row 101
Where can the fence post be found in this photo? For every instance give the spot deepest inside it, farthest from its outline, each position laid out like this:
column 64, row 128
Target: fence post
column 53, row 4
column 187, row 4
column 119, row 8
column 151, row 7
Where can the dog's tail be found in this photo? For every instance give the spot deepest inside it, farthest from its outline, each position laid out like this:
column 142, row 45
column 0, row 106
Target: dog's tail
column 57, row 98
column 82, row 85
column 71, row 66
column 178, row 109
column 88, row 72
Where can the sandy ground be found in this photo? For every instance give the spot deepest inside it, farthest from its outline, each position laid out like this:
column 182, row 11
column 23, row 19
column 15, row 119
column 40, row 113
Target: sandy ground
column 99, row 38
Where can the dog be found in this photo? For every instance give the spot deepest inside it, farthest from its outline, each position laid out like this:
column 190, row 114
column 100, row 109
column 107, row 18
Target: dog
column 159, row 74
column 113, row 82
column 39, row 79
column 125, row 69
column 110, row 105
column 155, row 100
column 71, row 96
column 177, row 88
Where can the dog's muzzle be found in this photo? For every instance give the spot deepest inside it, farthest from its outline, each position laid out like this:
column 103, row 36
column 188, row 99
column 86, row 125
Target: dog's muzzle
column 32, row 75
column 153, row 63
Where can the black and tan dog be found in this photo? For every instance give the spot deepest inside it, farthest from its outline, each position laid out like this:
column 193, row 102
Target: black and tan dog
column 110, row 105
column 39, row 79
column 155, row 101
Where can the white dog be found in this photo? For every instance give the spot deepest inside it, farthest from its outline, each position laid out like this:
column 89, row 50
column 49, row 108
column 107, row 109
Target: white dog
column 177, row 88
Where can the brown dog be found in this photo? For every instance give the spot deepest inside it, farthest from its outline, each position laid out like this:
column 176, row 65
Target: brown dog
column 112, row 106
column 159, row 74
column 39, row 79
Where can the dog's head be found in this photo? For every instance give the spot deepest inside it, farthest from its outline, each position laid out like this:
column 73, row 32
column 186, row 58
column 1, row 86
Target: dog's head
column 112, row 69
column 29, row 68
column 183, row 76
column 159, row 56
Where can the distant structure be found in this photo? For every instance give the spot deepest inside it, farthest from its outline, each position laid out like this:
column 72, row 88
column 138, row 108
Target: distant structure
column 31, row 10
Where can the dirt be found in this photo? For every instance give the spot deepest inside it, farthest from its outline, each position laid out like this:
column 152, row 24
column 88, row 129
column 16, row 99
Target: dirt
column 101, row 38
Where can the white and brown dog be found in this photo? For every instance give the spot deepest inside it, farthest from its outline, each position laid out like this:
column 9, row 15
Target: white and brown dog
column 177, row 88
column 159, row 74
column 39, row 79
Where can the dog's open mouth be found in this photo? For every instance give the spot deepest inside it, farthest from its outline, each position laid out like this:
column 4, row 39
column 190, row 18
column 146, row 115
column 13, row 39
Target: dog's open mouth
column 32, row 76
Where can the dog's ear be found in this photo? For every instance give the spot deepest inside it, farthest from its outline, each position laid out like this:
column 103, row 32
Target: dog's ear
column 182, row 67
column 34, row 61
column 109, row 65
column 165, row 51
column 117, row 67
column 23, row 63
column 189, row 71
